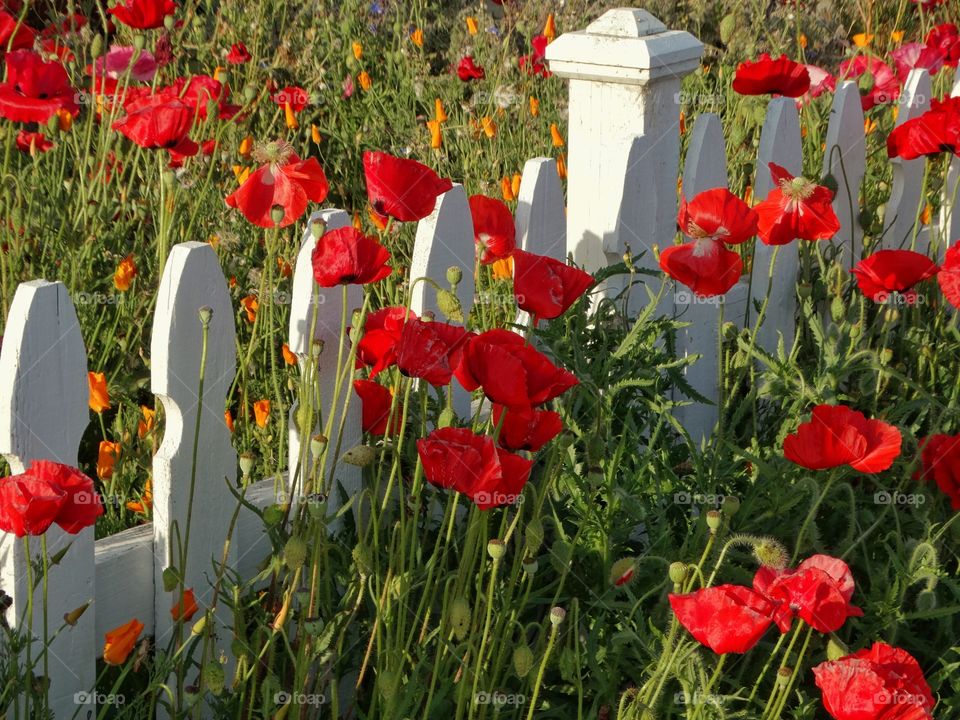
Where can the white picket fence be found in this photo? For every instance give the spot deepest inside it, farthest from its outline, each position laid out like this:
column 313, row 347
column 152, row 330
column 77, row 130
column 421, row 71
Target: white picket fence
column 625, row 71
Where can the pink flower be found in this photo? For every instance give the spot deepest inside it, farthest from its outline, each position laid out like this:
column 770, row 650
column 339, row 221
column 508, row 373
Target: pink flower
column 914, row 55
column 115, row 63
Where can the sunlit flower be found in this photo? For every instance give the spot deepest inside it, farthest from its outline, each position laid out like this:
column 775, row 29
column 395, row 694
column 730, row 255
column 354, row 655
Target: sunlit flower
column 99, row 396
column 120, row 642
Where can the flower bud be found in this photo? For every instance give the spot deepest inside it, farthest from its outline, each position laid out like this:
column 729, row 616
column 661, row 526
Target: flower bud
column 213, row 677
column 295, row 552
column 770, row 553
column 168, row 22
column 276, row 214
column 139, row 41
column 169, row 178
column 522, row 660
column 730, row 505
column 533, row 536
column 460, row 617
column 496, row 549
column 361, row 456
column 199, row 626
column 96, row 46
column 73, row 616
column 449, row 305
column 622, row 572
column 677, row 572
column 361, row 556
column 926, row 600
column 836, row 649
column 446, row 418
column 557, row 616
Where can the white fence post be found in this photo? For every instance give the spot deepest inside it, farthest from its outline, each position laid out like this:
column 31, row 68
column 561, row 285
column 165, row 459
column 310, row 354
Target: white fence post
column 43, row 412
column 445, row 239
column 950, row 216
column 193, row 280
column 540, row 218
column 326, row 315
column 779, row 143
column 705, row 168
column 845, row 159
column 625, row 71
column 903, row 206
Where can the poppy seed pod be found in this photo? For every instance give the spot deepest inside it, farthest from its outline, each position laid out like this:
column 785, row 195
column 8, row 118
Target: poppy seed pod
column 454, row 276
column 318, row 228
column 496, row 549
column 530, row 566
column 557, row 616
column 246, row 463
column 714, row 520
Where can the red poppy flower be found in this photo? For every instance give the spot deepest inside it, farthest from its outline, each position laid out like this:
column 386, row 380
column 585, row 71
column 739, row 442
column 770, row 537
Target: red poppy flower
column 348, row 257
column 888, row 271
column 510, row 370
column 821, row 81
column 818, row 591
column 705, row 266
column 717, row 214
column 940, row 462
column 377, row 348
column 23, row 36
column 32, row 142
column 69, row 25
column 376, row 401
column 292, row 95
column 238, row 54
column 467, row 70
column 796, row 208
column 200, row 90
column 949, row 276
column 766, row 76
column 285, row 181
column 945, row 39
column 837, row 435
column 725, row 618
column 457, row 459
column 545, row 287
column 881, row 683
column 533, row 63
column 402, row 189
column 525, row 428
column 884, row 88
column 143, row 14
column 911, row 56
column 430, row 350
column 35, row 89
column 48, row 493
column 493, row 228
column 935, row 131
column 161, row 124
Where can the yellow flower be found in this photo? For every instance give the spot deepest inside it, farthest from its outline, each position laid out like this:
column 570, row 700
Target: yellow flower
column 315, row 134
column 895, row 111
column 364, row 79
column 125, row 273
column 861, row 40
column 99, row 396
column 489, row 127
column 555, row 135
column 926, row 214
column 217, row 72
column 261, row 412
column 290, row 116
column 897, row 36
column 246, row 146
column 107, row 456
column 416, row 37
column 802, row 40
column 146, row 425
column 502, row 268
column 357, row 50
column 869, row 125
column 534, row 106
column 436, row 138
column 472, row 27
column 64, row 120
column 439, row 114
column 241, row 173
column 550, row 29
column 120, row 641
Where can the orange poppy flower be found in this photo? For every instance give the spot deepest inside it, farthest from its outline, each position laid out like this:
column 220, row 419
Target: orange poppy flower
column 489, row 127
column 186, row 608
column 99, row 396
column 364, row 79
column 439, row 113
column 106, row 458
column 555, row 135
column 436, row 137
column 506, row 189
column 146, row 425
column 315, row 135
column 289, row 357
column 290, row 117
column 357, row 50
column 562, row 166
column 534, row 106
column 143, row 505
column 550, row 28
column 125, row 273
column 246, row 146
column 416, row 37
column 502, row 269
column 515, row 184
column 261, row 411
column 251, row 305
column 228, row 419
column 120, row 642
column 472, row 26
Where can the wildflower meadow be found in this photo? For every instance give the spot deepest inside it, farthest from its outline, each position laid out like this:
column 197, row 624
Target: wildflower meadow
column 473, row 360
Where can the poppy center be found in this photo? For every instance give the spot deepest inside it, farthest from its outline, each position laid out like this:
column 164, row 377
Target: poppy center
column 277, row 152
column 798, row 188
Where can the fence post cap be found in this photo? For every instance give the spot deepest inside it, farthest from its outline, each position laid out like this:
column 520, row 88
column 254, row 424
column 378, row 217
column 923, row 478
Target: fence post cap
column 624, row 45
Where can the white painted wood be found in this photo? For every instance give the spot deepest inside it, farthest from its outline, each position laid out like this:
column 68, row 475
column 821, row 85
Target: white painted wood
column 326, row 314
column 625, row 71
column 192, row 279
column 950, row 214
column 845, row 159
column 124, row 581
column 44, row 410
column 540, row 218
column 701, row 337
column 780, row 143
column 905, row 197
column 705, row 167
column 445, row 239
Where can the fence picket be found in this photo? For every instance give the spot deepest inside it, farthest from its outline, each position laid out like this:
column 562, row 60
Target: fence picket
column 540, row 218
column 192, row 279
column 326, row 314
column 43, row 413
column 779, row 143
column 705, row 166
column 845, row 159
column 903, row 207
column 950, row 214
